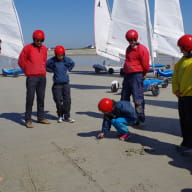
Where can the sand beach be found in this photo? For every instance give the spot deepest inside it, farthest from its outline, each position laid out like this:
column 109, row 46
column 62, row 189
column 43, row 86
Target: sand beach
column 64, row 157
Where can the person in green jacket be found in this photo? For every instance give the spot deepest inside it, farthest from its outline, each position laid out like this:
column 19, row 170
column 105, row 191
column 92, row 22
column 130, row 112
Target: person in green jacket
column 182, row 88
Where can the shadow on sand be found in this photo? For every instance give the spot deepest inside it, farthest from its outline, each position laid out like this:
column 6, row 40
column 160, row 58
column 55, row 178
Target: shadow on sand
column 186, row 190
column 151, row 146
column 166, row 104
column 20, row 119
column 153, row 124
column 157, row 147
column 77, row 86
column 91, row 114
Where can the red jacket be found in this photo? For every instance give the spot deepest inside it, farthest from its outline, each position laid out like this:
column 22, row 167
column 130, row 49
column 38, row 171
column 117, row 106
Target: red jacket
column 32, row 60
column 136, row 60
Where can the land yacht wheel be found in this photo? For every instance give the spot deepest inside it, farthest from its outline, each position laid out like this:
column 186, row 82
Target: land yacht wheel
column 15, row 74
column 97, row 70
column 121, row 72
column 4, row 74
column 110, row 71
column 155, row 90
column 165, row 83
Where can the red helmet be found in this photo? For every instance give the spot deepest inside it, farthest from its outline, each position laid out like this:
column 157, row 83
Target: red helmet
column 131, row 34
column 59, row 49
column 105, row 105
column 38, row 34
column 185, row 42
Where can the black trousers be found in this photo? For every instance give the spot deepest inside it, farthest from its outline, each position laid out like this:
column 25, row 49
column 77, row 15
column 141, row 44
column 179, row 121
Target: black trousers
column 35, row 85
column 185, row 115
column 62, row 97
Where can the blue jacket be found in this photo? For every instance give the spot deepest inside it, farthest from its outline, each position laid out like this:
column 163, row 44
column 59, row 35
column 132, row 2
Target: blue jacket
column 60, row 68
column 121, row 109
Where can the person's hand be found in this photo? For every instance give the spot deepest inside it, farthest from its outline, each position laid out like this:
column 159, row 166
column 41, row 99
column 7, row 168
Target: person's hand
column 178, row 93
column 100, row 135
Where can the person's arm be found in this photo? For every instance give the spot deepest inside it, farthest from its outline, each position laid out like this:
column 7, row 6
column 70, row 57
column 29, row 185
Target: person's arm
column 22, row 61
column 175, row 84
column 70, row 63
column 49, row 66
column 145, row 58
column 106, row 125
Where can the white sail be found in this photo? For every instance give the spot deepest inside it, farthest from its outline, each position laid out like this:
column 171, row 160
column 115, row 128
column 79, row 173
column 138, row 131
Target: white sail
column 102, row 21
column 126, row 15
column 134, row 14
column 168, row 27
column 10, row 32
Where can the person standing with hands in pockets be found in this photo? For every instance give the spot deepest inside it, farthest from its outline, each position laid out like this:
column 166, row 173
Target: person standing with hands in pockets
column 32, row 61
column 135, row 67
column 59, row 65
column 182, row 88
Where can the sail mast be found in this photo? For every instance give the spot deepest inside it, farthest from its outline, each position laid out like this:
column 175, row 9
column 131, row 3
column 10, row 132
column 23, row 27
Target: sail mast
column 150, row 31
column 18, row 22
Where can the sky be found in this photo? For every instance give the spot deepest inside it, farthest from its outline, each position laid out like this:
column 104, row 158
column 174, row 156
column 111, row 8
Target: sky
column 70, row 22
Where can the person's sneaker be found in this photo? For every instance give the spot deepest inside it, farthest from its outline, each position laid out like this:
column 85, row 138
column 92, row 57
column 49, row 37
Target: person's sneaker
column 43, row 121
column 29, row 124
column 69, row 120
column 60, row 120
column 124, row 137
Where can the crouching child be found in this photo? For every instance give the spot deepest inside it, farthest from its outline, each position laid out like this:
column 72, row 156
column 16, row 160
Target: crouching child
column 120, row 114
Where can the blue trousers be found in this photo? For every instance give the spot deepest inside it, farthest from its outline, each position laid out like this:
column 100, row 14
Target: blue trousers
column 121, row 124
column 133, row 85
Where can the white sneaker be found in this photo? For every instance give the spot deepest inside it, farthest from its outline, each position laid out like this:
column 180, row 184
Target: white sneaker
column 60, row 120
column 69, row 120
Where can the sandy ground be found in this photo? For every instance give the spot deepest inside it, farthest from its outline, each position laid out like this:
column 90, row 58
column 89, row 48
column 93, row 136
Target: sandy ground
column 68, row 158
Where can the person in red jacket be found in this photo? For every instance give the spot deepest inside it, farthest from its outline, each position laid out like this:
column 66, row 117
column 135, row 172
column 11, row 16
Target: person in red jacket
column 135, row 67
column 32, row 61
